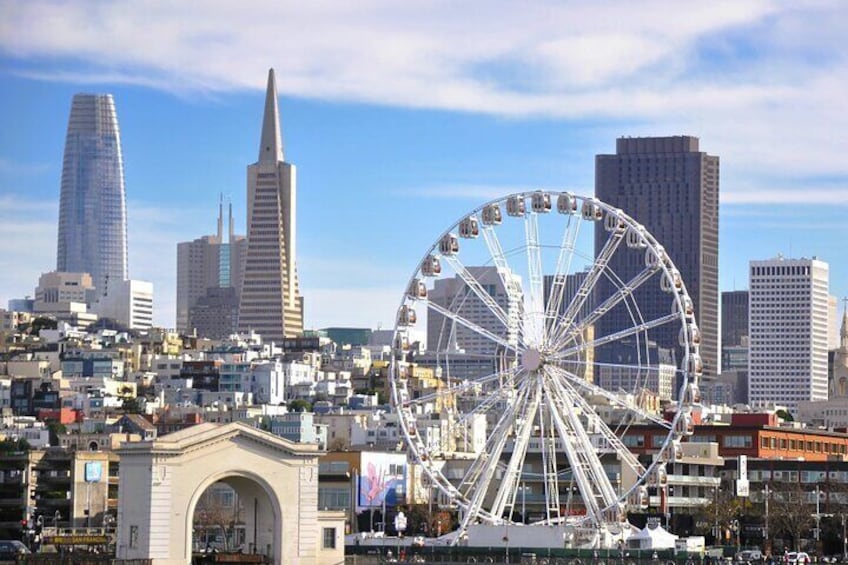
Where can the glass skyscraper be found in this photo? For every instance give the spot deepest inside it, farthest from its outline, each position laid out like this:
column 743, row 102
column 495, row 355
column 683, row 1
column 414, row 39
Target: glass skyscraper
column 92, row 209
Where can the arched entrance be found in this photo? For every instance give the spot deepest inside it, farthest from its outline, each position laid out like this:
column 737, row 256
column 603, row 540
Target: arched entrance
column 162, row 482
column 240, row 518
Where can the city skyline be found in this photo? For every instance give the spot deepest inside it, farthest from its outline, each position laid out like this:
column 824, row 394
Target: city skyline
column 393, row 144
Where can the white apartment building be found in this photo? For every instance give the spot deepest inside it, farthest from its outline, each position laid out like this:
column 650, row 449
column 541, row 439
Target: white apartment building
column 268, row 382
column 789, row 321
column 129, row 303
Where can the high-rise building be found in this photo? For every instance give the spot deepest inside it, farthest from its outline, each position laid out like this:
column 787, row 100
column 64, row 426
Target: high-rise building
column 92, row 209
column 204, row 266
column 270, row 302
column 789, row 321
column 734, row 317
column 672, row 188
column 455, row 295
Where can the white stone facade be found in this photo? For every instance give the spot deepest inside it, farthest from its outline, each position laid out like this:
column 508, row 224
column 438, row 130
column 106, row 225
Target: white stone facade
column 789, row 321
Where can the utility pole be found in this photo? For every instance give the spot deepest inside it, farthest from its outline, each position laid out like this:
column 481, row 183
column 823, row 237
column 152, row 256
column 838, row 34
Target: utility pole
column 818, row 515
column 766, row 529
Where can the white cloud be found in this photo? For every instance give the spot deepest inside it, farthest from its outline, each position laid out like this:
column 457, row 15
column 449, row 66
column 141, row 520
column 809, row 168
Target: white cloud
column 761, row 82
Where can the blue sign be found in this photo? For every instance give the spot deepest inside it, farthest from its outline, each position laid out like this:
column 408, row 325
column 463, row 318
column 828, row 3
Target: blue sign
column 93, row 471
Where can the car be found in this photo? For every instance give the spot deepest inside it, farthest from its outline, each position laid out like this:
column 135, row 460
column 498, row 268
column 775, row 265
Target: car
column 749, row 555
column 10, row 549
column 796, row 558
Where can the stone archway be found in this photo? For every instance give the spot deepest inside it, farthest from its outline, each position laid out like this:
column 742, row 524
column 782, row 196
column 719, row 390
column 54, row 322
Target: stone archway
column 262, row 513
column 162, row 480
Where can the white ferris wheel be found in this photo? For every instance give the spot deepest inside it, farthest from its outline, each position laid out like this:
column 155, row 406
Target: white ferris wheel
column 548, row 318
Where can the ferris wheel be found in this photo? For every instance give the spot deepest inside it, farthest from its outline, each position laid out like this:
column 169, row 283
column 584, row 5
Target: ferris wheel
column 554, row 322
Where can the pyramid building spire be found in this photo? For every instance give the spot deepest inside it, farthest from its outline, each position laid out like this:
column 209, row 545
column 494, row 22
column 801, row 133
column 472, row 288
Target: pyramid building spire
column 271, row 144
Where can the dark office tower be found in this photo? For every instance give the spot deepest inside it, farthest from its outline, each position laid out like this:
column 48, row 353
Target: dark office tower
column 92, row 207
column 672, row 188
column 271, row 304
column 734, row 317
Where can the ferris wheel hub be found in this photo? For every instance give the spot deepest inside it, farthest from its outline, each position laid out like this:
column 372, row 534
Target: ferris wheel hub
column 532, row 359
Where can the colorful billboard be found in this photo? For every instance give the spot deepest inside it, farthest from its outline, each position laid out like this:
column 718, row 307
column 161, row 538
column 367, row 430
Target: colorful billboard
column 382, row 480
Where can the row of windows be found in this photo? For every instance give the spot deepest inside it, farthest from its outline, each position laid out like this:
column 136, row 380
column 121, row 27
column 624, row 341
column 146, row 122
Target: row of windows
column 802, row 445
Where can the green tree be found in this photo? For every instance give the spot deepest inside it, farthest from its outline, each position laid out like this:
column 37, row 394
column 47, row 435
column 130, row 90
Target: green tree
column 133, row 405
column 300, row 405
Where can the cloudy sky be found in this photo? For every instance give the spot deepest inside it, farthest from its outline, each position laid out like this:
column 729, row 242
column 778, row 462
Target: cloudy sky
column 401, row 116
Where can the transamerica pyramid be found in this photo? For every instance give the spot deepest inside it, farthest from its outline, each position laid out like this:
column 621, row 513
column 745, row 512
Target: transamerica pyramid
column 271, row 304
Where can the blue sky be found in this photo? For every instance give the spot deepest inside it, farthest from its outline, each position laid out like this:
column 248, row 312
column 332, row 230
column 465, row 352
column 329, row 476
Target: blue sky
column 400, row 117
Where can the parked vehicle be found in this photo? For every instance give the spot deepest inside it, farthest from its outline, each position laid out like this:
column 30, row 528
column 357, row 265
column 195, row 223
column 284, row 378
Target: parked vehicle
column 11, row 549
column 796, row 558
column 749, row 555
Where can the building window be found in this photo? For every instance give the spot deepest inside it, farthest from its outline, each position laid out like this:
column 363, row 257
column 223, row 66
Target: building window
column 738, row 442
column 329, row 538
column 634, row 441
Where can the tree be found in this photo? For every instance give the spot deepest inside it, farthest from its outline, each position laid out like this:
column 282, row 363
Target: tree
column 14, row 445
column 721, row 512
column 212, row 516
column 789, row 513
column 133, row 405
column 300, row 405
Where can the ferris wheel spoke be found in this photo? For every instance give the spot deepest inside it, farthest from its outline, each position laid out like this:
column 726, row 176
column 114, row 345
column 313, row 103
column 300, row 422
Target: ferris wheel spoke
column 508, row 489
column 639, row 328
column 510, row 285
column 602, row 428
column 591, row 279
column 487, row 404
column 625, row 291
column 535, row 315
column 611, row 397
column 470, row 325
column 482, row 470
column 474, row 285
column 563, row 267
column 463, row 386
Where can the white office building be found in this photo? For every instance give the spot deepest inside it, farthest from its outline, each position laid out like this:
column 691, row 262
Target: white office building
column 130, row 303
column 789, row 315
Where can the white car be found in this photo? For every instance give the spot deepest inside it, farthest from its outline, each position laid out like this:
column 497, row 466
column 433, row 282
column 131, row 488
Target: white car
column 796, row 558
